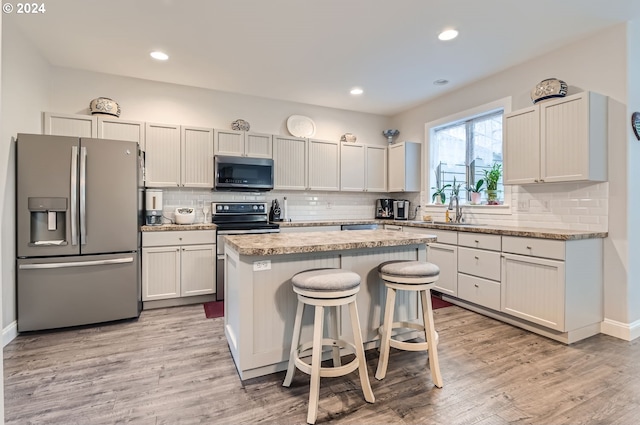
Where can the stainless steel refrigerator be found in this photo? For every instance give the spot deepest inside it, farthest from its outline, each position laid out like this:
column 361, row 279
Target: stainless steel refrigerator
column 78, row 217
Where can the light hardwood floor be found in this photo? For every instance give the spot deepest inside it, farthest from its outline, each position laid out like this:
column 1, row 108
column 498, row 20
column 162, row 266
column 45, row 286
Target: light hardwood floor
column 172, row 366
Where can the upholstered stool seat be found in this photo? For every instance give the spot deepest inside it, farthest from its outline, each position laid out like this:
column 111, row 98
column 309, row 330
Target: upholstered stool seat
column 418, row 276
column 326, row 288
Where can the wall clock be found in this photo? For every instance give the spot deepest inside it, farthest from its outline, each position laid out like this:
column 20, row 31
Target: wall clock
column 635, row 124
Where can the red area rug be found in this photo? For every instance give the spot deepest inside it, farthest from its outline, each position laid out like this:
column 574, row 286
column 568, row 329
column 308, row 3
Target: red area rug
column 213, row 309
column 439, row 303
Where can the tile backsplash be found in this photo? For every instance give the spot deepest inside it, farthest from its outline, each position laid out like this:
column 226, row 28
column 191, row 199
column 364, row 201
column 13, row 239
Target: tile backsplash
column 574, row 206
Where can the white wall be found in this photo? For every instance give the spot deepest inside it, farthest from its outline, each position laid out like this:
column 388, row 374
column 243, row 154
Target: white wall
column 599, row 64
column 25, row 85
column 150, row 101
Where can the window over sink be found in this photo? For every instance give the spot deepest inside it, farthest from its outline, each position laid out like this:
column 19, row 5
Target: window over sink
column 462, row 146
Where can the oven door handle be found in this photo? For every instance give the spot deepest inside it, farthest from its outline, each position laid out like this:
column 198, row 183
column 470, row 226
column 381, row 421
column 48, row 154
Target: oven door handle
column 246, row 231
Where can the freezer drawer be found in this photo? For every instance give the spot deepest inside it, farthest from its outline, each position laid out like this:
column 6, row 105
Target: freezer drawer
column 69, row 291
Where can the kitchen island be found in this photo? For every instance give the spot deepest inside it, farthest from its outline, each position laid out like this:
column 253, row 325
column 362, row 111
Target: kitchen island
column 260, row 304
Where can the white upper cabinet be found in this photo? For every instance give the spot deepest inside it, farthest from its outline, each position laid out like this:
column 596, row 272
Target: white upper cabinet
column 290, row 163
column 162, row 155
column 242, row 143
column 561, row 140
column 117, row 129
column 69, row 125
column 363, row 167
column 306, row 164
column 196, row 157
column 404, row 167
column 178, row 156
column 376, row 168
column 324, row 165
column 352, row 167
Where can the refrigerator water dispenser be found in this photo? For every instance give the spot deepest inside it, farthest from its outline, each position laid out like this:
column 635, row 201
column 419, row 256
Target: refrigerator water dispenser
column 48, row 221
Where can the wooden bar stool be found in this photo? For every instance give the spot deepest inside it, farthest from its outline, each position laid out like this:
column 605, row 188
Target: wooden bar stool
column 417, row 276
column 326, row 288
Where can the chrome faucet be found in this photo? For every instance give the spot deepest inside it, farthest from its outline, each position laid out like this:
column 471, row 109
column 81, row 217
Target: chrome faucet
column 458, row 208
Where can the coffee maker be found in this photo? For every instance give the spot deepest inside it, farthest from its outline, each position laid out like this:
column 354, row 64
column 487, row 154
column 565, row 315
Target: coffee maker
column 153, row 207
column 384, row 208
column 401, row 210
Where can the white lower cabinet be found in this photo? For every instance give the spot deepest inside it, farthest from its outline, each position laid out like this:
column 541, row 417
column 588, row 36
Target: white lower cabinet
column 479, row 269
column 563, row 291
column 444, row 254
column 178, row 264
column 534, row 290
column 479, row 291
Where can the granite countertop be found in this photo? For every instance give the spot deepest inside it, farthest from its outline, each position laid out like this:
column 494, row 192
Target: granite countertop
column 170, row 227
column 292, row 243
column 529, row 232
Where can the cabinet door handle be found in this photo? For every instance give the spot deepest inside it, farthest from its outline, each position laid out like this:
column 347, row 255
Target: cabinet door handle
column 536, row 180
column 476, row 285
column 542, row 180
column 476, row 257
column 528, row 247
column 476, row 241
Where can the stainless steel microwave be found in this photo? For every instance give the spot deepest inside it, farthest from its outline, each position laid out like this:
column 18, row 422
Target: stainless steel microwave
column 243, row 173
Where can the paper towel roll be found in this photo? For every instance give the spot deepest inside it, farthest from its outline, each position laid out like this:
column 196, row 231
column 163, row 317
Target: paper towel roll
column 285, row 211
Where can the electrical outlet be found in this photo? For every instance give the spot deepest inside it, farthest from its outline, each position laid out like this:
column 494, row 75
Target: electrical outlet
column 260, row 266
column 523, row 205
column 329, row 205
column 545, row 205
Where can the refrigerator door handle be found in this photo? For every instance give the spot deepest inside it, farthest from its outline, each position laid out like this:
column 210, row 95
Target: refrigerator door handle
column 74, row 195
column 75, row 264
column 83, row 195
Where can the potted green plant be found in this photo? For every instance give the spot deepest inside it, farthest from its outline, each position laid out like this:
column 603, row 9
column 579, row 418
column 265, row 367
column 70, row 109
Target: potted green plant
column 439, row 197
column 491, row 177
column 475, row 192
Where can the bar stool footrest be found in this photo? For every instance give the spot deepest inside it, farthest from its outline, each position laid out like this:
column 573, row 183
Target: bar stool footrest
column 327, row 372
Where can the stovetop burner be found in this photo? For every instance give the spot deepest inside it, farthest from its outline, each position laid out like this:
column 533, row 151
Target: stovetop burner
column 241, row 216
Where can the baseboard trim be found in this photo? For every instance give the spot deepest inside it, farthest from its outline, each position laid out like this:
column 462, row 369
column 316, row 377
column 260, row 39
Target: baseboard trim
column 626, row 331
column 9, row 333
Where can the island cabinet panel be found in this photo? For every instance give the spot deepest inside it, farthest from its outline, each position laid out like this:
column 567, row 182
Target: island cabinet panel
column 260, row 305
column 372, row 296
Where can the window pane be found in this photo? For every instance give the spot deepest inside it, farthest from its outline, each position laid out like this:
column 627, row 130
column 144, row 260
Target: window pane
column 463, row 150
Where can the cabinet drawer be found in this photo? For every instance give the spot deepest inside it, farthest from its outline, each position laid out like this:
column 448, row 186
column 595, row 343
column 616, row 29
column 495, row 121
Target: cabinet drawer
column 444, row 236
column 479, row 291
column 479, row 263
column 479, row 240
column 545, row 248
column 179, row 237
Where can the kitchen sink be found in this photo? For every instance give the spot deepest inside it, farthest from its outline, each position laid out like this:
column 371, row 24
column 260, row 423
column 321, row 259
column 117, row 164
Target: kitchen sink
column 450, row 223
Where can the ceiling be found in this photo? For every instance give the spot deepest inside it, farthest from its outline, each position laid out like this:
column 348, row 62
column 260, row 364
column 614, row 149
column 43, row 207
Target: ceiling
column 310, row 51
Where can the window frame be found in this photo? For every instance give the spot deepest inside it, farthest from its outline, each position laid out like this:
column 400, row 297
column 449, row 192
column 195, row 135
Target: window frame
column 505, row 105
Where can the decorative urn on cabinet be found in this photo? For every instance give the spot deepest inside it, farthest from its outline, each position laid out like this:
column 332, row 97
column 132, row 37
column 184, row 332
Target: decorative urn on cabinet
column 104, row 105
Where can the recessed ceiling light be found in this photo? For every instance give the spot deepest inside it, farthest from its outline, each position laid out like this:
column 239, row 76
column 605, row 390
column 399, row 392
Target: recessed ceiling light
column 356, row 91
column 161, row 56
column 441, row 82
column 448, row 35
